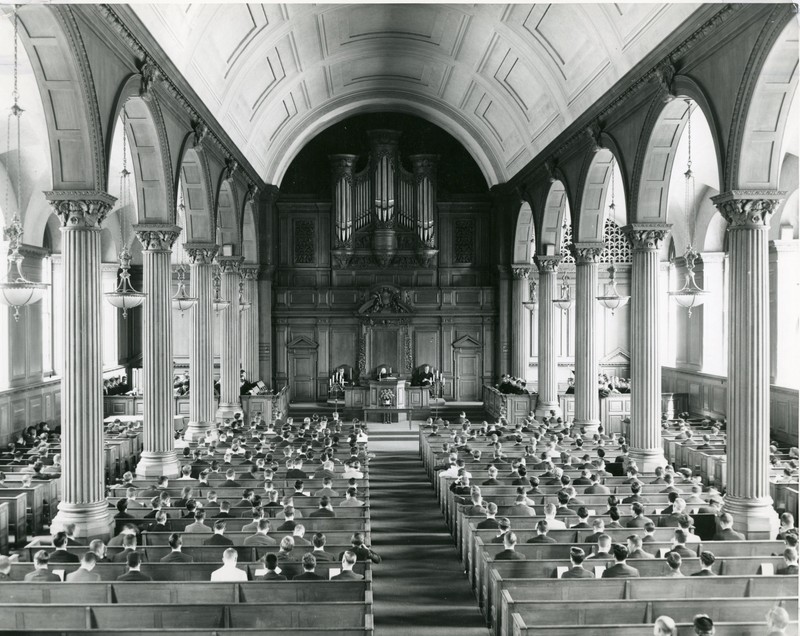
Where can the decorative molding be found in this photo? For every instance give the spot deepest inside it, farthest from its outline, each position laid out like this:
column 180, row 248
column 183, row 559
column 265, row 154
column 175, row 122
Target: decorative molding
column 386, row 299
column 201, row 253
column 748, row 209
column 199, row 133
column 587, row 252
column 80, row 208
column 646, row 236
column 547, row 264
column 231, row 166
column 594, row 132
column 663, row 75
column 157, row 238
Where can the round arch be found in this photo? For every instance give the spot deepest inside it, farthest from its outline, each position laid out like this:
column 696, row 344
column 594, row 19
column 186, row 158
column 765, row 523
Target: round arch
column 449, row 119
column 194, row 181
column 653, row 171
column 524, row 236
column 227, row 229
column 249, row 233
column 757, row 147
column 548, row 238
column 149, row 153
column 50, row 37
column 603, row 169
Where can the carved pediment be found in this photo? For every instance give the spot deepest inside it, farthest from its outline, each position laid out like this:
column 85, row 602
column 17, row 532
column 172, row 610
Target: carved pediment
column 386, row 299
column 616, row 357
column 467, row 342
column 302, row 342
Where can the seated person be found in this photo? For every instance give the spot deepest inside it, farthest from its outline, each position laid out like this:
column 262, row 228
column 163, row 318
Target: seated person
column 423, row 376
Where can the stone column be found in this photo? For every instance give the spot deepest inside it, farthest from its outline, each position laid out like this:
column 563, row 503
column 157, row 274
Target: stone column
column 587, row 401
column 249, row 324
column 646, row 306
column 520, row 338
column 748, row 499
column 503, row 294
column 83, row 500
column 264, row 318
column 158, row 456
column 230, row 365
column 201, row 344
column 548, row 382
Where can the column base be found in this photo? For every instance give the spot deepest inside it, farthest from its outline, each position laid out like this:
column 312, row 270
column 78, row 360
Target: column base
column 591, row 426
column 155, row 464
column 92, row 520
column 227, row 411
column 197, row 430
column 544, row 408
column 648, row 459
column 755, row 518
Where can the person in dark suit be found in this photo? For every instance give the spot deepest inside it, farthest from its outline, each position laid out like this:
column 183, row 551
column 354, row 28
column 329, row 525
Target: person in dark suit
column 175, row 555
column 218, row 538
column 509, row 553
column 599, row 527
column 161, row 524
column 246, row 502
column 271, row 562
column 635, row 496
column 706, row 562
column 597, row 488
column 634, row 543
column 583, row 519
column 603, row 548
column 620, row 569
column 726, row 532
column 40, row 572
column 542, row 528
column 134, row 573
column 318, row 541
column 60, row 554
column 680, row 537
column 128, row 546
column 309, row 565
column 349, row 560
column 288, row 520
column 84, row 573
column 362, row 552
column 230, row 480
column 260, row 537
column 325, row 509
column 577, row 571
column 790, row 559
column 674, row 562
column 638, row 520
column 649, row 532
column 490, row 523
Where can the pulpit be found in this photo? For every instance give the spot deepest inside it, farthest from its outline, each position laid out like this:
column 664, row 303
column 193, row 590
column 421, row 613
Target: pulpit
column 388, row 397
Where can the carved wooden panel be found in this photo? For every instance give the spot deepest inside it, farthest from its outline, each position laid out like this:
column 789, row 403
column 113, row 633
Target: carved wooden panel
column 304, row 243
column 464, row 231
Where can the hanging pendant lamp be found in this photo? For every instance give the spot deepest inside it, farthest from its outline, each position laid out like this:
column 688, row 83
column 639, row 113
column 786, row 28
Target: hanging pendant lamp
column 218, row 303
column 564, row 302
column 612, row 299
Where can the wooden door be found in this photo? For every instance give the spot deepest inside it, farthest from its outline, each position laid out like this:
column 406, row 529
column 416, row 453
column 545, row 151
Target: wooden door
column 302, row 374
column 468, row 376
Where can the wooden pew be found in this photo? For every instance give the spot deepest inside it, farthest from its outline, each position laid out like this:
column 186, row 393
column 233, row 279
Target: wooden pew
column 579, row 590
column 17, row 515
column 521, row 628
column 5, row 509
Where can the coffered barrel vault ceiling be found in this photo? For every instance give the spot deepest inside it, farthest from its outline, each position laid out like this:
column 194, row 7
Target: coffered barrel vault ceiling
column 503, row 79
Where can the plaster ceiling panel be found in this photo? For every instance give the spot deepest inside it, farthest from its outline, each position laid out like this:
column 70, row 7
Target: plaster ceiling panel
column 405, row 73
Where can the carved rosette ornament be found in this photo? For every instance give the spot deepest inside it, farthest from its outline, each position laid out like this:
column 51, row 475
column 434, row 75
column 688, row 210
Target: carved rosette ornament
column 229, row 264
column 586, row 252
column 646, row 236
column 157, row 238
column 547, row 264
column 748, row 209
column 201, row 253
column 80, row 208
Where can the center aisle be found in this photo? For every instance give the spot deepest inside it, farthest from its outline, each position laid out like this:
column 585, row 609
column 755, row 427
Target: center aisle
column 420, row 587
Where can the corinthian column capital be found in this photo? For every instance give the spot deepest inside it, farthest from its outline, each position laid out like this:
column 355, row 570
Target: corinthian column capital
column 157, row 237
column 201, row 253
column 748, row 209
column 646, row 236
column 547, row 263
column 250, row 272
column 229, row 264
column 521, row 271
column 587, row 252
column 80, row 208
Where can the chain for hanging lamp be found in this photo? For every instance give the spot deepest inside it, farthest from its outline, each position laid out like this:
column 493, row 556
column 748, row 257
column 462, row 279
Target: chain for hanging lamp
column 181, row 300
column 691, row 294
column 218, row 303
column 612, row 299
column 16, row 291
column 532, row 301
column 124, row 297
column 564, row 302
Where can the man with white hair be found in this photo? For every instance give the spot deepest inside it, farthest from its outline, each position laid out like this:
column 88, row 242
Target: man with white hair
column 228, row 572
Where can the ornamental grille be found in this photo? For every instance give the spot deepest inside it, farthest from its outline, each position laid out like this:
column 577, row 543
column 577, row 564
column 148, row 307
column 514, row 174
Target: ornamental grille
column 617, row 249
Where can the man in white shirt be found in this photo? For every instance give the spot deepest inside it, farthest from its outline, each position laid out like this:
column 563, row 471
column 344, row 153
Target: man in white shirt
column 550, row 518
column 353, row 470
column 228, row 572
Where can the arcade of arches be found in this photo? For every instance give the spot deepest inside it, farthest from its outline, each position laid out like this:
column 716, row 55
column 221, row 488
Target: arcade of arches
column 397, row 186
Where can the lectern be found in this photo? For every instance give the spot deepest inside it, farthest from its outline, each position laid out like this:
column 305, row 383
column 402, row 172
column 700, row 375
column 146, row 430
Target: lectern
column 388, row 397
